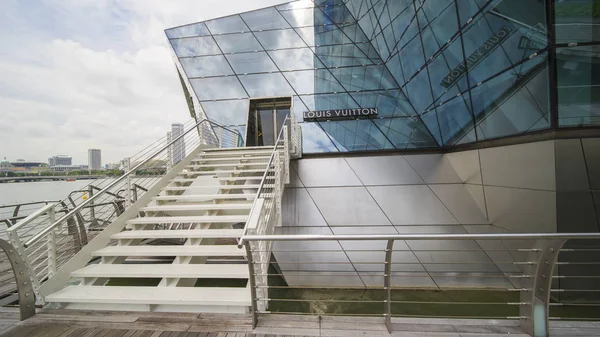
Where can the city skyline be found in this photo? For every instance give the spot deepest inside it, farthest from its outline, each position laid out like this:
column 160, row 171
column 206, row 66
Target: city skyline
column 96, row 74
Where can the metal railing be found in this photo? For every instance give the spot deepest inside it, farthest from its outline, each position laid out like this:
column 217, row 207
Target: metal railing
column 49, row 237
column 533, row 278
column 265, row 213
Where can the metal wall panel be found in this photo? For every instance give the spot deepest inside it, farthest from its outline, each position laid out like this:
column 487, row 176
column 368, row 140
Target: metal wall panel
column 478, row 196
column 521, row 210
column 571, row 172
column 591, row 148
column 466, row 165
column 521, row 166
column 459, row 201
column 345, row 206
column 434, row 168
column 326, row 172
column 384, row 170
column 294, row 179
column 411, row 205
column 298, row 209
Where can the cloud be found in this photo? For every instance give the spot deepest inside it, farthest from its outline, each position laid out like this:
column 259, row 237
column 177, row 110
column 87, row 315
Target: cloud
column 79, row 74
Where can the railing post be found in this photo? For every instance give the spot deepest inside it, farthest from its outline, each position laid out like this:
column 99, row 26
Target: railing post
column 20, row 250
column 92, row 210
column 126, row 168
column 24, row 287
column 387, row 284
column 51, row 245
column 286, row 152
column 251, row 284
column 535, row 296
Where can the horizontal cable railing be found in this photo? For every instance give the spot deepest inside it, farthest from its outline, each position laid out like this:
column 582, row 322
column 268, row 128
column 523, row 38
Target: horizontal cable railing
column 531, row 277
column 57, row 232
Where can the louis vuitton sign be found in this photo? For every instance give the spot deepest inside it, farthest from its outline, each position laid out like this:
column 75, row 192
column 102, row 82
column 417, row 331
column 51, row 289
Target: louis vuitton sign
column 341, row 114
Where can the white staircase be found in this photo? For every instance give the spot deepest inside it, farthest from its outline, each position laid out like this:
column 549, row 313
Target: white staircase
column 178, row 252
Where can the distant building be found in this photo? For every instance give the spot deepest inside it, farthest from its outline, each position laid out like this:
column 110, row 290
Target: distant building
column 5, row 165
column 60, row 160
column 68, row 168
column 94, row 159
column 178, row 148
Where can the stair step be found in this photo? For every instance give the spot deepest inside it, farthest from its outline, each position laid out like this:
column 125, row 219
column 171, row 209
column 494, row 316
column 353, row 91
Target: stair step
column 206, row 207
column 233, row 158
column 179, row 234
column 239, row 271
column 188, row 219
column 236, row 153
column 220, row 187
column 233, row 149
column 148, row 250
column 153, row 295
column 204, row 197
column 215, row 172
column 260, row 164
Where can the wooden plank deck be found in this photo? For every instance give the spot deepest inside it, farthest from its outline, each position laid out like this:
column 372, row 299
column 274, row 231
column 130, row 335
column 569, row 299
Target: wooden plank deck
column 70, row 323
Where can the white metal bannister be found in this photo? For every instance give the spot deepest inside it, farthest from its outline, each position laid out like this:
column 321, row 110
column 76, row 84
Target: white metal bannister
column 46, row 243
column 527, row 267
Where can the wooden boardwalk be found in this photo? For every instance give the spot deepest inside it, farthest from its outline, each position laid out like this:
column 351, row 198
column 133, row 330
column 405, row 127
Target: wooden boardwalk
column 68, row 323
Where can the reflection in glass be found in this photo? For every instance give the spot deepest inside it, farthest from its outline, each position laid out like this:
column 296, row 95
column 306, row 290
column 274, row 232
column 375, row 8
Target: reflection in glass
column 266, row 85
column 277, row 39
column 578, row 86
column 247, row 63
column 238, row 43
column 195, row 46
column 263, row 19
column 208, row 89
column 196, row 29
column 229, row 24
column 206, row 66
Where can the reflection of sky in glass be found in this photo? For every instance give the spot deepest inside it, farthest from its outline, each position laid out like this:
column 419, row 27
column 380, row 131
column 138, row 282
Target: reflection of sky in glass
column 355, row 53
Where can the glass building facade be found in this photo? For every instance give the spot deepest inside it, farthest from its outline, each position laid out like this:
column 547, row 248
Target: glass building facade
column 440, row 72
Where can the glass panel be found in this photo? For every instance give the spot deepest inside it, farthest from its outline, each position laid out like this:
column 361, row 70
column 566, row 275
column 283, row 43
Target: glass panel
column 218, row 88
column 315, row 140
column 230, row 24
column 266, row 85
column 280, row 115
column 300, row 17
column 365, row 78
column 244, row 63
column 266, row 131
column 195, row 46
column 327, row 101
column 419, row 92
column 411, row 57
column 357, row 135
column 267, row 18
column 238, row 43
column 206, row 66
column 313, row 81
column 455, row 120
column 196, row 29
column 342, row 56
column 277, row 39
column 578, row 86
column 390, row 103
column 227, row 112
column 295, row 59
column 406, row 132
column 577, row 21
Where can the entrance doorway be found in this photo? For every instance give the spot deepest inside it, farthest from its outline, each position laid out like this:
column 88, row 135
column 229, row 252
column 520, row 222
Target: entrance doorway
column 265, row 119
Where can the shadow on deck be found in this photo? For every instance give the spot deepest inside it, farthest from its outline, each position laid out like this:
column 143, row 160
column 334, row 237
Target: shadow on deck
column 68, row 323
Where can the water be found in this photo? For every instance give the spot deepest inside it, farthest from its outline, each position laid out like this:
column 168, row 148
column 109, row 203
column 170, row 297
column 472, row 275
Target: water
column 11, row 193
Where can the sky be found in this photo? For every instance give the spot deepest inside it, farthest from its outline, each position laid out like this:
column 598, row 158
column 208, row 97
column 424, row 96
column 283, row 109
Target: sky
column 80, row 74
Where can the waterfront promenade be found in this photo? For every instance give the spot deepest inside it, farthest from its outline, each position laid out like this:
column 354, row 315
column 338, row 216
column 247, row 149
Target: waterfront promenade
column 47, row 178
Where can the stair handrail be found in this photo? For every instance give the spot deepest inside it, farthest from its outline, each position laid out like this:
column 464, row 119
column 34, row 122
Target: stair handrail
column 264, row 178
column 77, row 208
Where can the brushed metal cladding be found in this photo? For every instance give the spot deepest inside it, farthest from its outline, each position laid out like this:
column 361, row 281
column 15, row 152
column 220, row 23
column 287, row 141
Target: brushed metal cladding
column 299, row 209
column 466, row 165
column 434, row 168
column 370, row 255
column 384, row 170
column 323, row 172
column 591, row 148
column 437, row 245
column 576, row 212
column 522, row 166
column 460, row 203
column 346, row 206
column 473, row 280
column 324, row 279
column 310, row 255
column 571, row 172
column 411, row 205
column 477, row 194
column 521, row 210
column 294, row 179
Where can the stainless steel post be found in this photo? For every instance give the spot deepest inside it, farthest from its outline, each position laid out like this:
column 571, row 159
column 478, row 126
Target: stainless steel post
column 24, row 287
column 387, row 284
column 251, row 284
